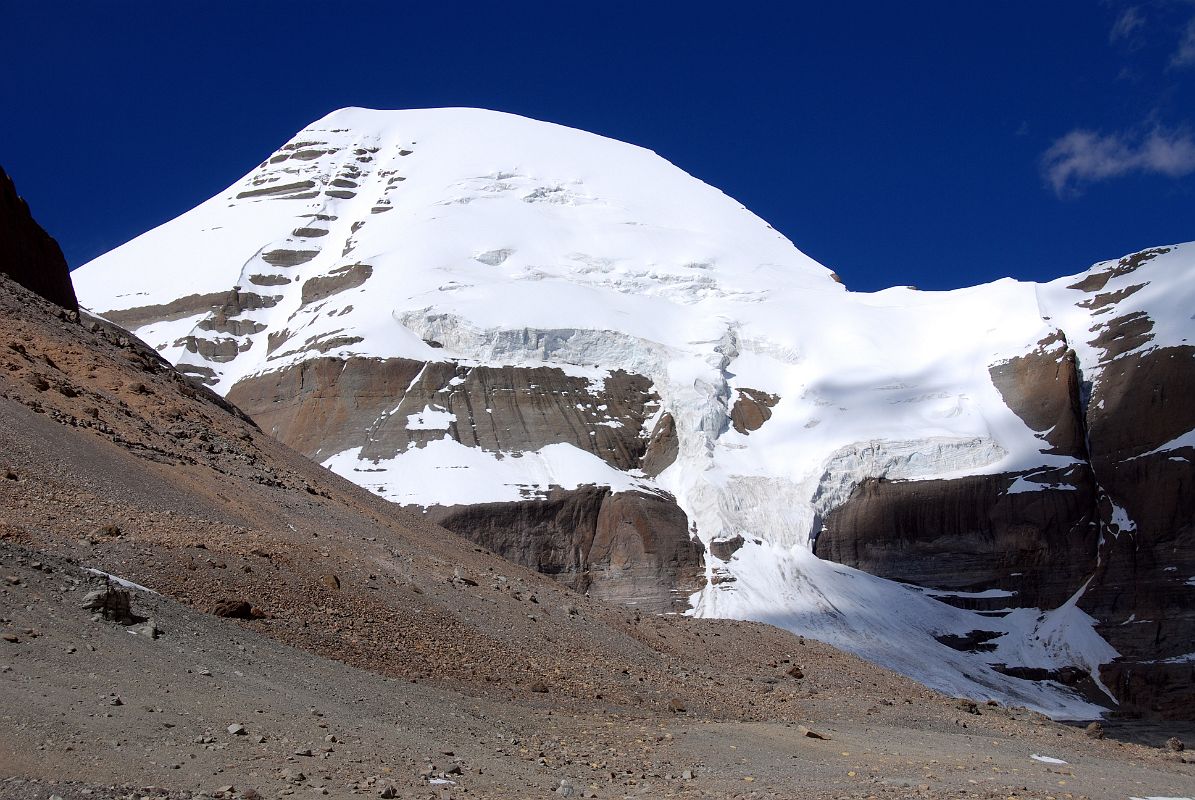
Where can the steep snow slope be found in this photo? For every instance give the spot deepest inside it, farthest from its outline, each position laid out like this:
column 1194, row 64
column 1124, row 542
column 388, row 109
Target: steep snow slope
column 483, row 238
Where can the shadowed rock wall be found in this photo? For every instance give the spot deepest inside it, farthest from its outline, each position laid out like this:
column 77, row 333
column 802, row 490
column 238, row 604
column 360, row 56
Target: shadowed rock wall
column 629, row 547
column 1123, row 516
column 28, row 254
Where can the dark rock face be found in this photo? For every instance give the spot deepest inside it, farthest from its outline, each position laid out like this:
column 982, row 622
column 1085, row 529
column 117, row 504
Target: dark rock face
column 629, row 547
column 222, row 318
column 969, row 534
column 752, row 409
column 1043, row 388
column 1123, row 516
column 724, row 548
column 269, row 280
column 289, row 191
column 288, row 258
column 28, row 254
column 327, row 405
column 662, row 447
column 1153, row 689
column 339, row 280
column 1142, row 594
column 183, row 307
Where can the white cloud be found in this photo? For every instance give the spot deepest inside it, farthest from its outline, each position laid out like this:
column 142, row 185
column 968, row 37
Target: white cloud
column 1128, row 23
column 1082, row 157
column 1185, row 55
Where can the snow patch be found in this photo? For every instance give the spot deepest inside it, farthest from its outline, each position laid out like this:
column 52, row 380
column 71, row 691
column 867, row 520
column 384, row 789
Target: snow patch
column 119, row 581
column 984, row 595
column 430, row 418
column 446, row 472
column 1047, row 759
column 1185, row 440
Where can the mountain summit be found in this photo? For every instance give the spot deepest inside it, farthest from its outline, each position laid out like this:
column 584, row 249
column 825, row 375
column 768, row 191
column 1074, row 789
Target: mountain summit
column 595, row 364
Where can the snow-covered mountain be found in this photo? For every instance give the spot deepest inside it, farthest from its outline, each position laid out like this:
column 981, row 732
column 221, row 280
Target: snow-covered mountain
column 489, row 317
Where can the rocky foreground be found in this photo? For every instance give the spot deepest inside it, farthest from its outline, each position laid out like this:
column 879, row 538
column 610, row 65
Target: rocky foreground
column 211, row 707
column 297, row 635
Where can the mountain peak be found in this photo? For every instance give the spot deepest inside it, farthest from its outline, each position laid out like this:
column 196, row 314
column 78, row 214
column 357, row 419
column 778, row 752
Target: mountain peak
column 579, row 355
column 448, row 207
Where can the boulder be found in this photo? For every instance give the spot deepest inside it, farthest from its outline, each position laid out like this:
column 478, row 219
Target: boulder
column 111, row 602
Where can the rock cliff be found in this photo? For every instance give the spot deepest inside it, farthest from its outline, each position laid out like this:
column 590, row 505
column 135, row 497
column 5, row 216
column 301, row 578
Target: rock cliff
column 634, row 547
column 1117, row 528
column 28, row 254
column 627, row 547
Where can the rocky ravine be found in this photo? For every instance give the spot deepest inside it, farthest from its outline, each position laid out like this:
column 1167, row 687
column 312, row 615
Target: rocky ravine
column 573, row 352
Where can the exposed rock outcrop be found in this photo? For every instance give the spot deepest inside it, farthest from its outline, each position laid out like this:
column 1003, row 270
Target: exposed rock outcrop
column 28, row 254
column 1137, row 414
column 339, row 280
column 1151, row 689
column 628, row 547
column 181, row 308
column 662, row 446
column 1033, row 533
column 327, row 405
column 724, row 549
column 1121, row 520
column 1043, row 389
column 1142, row 592
column 752, row 408
column 970, row 534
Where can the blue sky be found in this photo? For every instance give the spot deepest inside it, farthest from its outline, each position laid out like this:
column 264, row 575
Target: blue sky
column 938, row 144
